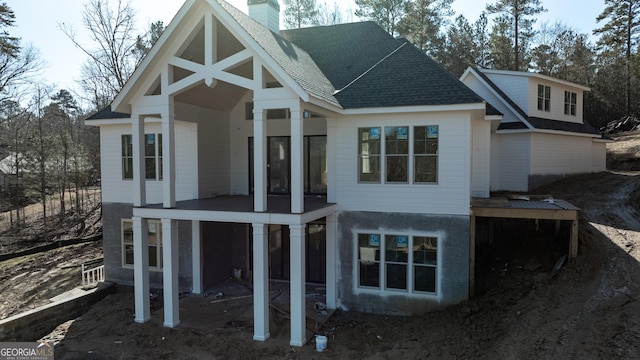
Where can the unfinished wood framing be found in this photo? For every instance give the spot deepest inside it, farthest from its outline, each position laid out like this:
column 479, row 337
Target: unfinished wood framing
column 536, row 209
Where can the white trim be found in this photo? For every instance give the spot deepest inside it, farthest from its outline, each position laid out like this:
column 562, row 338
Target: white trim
column 547, row 131
column 414, row 109
column 534, row 75
column 382, row 290
column 235, row 217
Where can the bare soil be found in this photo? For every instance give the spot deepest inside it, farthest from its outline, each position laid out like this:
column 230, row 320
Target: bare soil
column 526, row 309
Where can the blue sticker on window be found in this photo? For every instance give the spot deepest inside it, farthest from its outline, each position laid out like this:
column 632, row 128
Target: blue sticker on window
column 374, row 240
column 403, row 241
column 403, row 133
column 374, row 133
column 432, row 132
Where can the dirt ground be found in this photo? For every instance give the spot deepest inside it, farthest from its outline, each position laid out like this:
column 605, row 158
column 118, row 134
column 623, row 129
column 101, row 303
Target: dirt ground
column 588, row 309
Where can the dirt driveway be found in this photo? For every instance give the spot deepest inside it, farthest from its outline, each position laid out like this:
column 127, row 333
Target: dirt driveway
column 587, row 310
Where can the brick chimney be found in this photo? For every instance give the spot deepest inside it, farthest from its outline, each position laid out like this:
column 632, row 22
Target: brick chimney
column 266, row 12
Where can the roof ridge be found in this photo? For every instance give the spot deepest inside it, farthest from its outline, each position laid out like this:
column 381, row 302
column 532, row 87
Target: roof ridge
column 370, row 68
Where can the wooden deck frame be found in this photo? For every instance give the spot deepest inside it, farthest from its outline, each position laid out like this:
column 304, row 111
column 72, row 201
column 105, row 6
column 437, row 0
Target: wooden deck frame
column 519, row 213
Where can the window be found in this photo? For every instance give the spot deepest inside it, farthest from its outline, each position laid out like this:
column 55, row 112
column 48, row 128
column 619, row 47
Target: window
column 155, row 244
column 152, row 156
column 397, row 140
column 369, row 154
column 409, row 263
column 425, row 154
column 369, row 259
column 544, row 98
column 127, row 157
column 397, row 153
column 570, row 100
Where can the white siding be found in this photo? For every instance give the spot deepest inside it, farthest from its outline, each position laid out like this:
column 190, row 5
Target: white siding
column 557, row 101
column 510, row 163
column 560, row 154
column 451, row 195
column 481, row 159
column 474, row 84
column 516, row 88
column 117, row 190
column 598, row 156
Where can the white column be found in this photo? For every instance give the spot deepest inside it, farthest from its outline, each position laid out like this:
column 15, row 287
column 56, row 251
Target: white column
column 170, row 273
column 141, row 270
column 298, row 279
column 168, row 159
column 331, row 160
column 139, row 175
column 259, row 160
column 297, row 162
column 196, row 257
column 332, row 263
column 260, row 282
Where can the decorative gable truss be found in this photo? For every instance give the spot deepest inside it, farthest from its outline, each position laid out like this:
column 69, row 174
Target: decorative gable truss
column 203, row 63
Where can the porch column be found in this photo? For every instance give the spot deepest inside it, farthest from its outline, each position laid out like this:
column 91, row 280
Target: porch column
column 168, row 158
column 196, row 257
column 332, row 270
column 331, row 160
column 170, row 273
column 259, row 160
column 139, row 175
column 141, row 269
column 297, row 162
column 298, row 289
column 260, row 282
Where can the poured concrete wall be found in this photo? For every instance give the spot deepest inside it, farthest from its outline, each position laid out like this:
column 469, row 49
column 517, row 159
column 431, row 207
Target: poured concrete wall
column 453, row 270
column 112, row 214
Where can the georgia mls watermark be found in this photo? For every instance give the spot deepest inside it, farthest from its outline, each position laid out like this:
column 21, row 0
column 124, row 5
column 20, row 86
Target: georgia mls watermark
column 26, row 351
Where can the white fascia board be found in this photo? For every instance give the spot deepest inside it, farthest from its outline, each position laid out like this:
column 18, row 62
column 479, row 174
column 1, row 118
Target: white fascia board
column 234, row 216
column 241, row 34
column 413, row 109
column 502, row 100
column 118, row 103
column 535, row 75
column 121, row 121
column 546, row 131
column 493, row 117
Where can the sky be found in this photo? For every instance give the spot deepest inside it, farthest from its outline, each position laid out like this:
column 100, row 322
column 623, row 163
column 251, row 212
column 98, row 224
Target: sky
column 38, row 24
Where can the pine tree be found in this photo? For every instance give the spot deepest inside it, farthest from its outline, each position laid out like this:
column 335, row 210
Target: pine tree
column 422, row 22
column 618, row 35
column 518, row 13
column 299, row 13
column 386, row 13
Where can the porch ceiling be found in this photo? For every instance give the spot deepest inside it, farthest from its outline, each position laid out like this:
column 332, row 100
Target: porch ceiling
column 222, row 97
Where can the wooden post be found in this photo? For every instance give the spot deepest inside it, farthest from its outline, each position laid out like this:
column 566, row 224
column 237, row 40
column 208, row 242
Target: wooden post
column 573, row 245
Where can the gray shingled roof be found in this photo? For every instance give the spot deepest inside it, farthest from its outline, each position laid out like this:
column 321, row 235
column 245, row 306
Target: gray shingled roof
column 295, row 61
column 106, row 113
column 536, row 122
column 372, row 69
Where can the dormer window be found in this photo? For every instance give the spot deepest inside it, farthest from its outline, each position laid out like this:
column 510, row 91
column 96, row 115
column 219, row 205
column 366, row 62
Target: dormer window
column 570, row 100
column 544, row 98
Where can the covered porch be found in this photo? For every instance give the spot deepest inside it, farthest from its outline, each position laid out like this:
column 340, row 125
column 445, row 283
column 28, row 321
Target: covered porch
column 237, row 209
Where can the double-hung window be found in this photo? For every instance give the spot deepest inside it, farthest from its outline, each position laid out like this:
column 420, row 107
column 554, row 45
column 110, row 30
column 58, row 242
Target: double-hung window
column 397, row 153
column 152, row 156
column 425, row 154
column 154, row 236
column 407, row 263
column 570, row 101
column 544, row 98
column 369, row 152
column 400, row 145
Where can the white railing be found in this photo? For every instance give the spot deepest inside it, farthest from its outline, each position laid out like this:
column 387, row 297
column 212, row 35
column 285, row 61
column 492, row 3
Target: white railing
column 91, row 277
